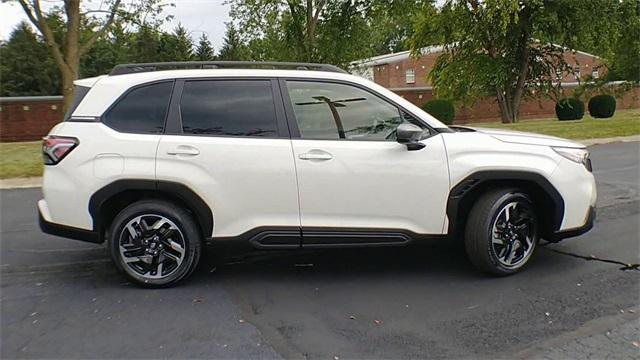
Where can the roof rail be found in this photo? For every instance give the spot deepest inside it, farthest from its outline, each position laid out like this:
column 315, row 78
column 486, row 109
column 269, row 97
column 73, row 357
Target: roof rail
column 146, row 67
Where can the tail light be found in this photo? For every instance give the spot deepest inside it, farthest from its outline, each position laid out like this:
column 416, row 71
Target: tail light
column 55, row 148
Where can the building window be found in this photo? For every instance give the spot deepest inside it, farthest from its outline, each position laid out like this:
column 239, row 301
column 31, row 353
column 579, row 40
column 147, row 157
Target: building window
column 410, row 76
column 558, row 74
column 576, row 72
column 595, row 74
column 54, row 107
column 25, row 108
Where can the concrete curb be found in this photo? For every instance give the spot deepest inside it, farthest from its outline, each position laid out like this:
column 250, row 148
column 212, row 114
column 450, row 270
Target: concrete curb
column 25, row 183
column 589, row 142
column 20, row 183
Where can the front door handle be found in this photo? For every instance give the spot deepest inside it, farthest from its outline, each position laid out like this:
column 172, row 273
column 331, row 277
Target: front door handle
column 315, row 155
column 184, row 150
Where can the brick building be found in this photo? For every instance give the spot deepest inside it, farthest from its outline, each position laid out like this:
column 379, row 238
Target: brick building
column 28, row 118
column 407, row 76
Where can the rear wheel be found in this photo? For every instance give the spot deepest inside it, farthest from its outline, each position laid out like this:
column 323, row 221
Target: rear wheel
column 155, row 243
column 502, row 231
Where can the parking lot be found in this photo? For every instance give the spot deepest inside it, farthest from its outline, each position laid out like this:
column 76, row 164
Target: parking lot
column 579, row 298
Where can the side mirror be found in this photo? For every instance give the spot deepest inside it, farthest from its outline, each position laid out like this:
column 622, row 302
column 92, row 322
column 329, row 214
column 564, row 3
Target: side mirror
column 410, row 135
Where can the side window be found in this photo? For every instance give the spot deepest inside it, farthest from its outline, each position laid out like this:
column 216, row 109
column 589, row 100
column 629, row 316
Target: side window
column 228, row 108
column 337, row 111
column 142, row 110
column 79, row 92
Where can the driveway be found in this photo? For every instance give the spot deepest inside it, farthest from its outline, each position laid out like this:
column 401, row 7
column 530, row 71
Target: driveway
column 579, row 298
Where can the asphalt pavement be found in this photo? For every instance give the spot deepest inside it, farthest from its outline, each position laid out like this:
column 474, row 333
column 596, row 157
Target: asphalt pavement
column 61, row 298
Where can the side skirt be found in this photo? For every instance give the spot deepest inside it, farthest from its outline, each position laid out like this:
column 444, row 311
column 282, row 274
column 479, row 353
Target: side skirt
column 294, row 237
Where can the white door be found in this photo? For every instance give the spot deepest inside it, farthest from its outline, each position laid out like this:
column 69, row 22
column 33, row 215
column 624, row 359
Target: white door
column 352, row 174
column 234, row 154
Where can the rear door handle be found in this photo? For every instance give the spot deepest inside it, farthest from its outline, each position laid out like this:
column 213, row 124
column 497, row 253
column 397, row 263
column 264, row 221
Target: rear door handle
column 184, row 150
column 316, row 154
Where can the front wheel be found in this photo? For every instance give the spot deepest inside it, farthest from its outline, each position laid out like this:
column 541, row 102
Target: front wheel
column 155, row 243
column 502, row 231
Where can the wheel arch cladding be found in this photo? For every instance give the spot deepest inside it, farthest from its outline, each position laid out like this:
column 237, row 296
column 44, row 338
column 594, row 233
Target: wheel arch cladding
column 543, row 194
column 107, row 202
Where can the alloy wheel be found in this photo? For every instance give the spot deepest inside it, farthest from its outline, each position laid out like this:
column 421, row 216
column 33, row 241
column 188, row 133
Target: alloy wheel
column 151, row 246
column 514, row 234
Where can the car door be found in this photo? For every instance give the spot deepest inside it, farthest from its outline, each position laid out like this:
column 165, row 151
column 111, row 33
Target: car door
column 227, row 140
column 356, row 183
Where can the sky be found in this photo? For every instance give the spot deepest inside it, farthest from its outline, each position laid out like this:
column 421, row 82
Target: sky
column 199, row 16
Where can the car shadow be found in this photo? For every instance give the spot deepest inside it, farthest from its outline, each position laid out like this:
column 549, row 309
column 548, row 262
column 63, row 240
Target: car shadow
column 240, row 260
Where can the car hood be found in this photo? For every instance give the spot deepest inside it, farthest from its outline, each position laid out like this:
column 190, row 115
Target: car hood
column 521, row 137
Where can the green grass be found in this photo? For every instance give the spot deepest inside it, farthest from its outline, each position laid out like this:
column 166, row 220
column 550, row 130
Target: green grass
column 23, row 159
column 623, row 123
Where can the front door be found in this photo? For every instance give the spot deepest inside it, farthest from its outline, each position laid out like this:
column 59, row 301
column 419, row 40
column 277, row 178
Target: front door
column 354, row 179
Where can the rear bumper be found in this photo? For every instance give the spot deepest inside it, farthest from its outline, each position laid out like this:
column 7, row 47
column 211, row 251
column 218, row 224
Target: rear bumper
column 67, row 231
column 591, row 218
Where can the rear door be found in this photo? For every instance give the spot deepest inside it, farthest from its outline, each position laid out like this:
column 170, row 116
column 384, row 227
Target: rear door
column 227, row 140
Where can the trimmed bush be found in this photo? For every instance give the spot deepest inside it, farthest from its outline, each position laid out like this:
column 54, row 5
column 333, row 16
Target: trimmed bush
column 442, row 110
column 569, row 109
column 602, row 106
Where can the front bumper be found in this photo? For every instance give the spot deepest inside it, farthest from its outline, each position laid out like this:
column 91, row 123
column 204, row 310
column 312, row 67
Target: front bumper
column 67, row 231
column 591, row 218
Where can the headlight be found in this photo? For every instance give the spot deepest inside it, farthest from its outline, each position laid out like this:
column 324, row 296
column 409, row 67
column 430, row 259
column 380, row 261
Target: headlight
column 581, row 156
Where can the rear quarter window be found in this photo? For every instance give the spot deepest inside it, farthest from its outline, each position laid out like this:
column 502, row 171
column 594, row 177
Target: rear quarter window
column 79, row 92
column 142, row 110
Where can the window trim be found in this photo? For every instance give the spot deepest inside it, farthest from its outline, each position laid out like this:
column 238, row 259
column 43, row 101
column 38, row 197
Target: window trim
column 577, row 72
column 413, row 76
column 175, row 118
column 102, row 117
column 293, row 123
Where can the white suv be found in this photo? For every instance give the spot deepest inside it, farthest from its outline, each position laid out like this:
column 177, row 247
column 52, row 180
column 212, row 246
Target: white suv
column 287, row 155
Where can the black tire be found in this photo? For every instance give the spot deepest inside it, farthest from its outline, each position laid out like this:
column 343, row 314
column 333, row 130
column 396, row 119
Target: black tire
column 490, row 241
column 177, row 244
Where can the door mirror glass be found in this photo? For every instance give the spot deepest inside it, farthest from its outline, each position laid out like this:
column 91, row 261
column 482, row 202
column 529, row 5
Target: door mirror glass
column 410, row 135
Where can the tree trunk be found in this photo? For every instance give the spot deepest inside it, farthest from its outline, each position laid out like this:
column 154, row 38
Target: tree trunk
column 68, row 77
column 68, row 55
column 506, row 107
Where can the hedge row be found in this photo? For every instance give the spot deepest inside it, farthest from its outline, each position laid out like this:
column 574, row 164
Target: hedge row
column 600, row 106
column 442, row 110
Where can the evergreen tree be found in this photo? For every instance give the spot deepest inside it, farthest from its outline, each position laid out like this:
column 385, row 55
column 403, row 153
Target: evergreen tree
column 204, row 50
column 27, row 67
column 233, row 48
column 177, row 46
column 145, row 45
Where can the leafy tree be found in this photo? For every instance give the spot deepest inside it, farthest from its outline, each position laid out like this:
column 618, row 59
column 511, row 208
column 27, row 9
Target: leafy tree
column 233, row 48
column 391, row 23
column 27, row 67
column 72, row 43
column 625, row 61
column 303, row 30
column 204, row 50
column 508, row 48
